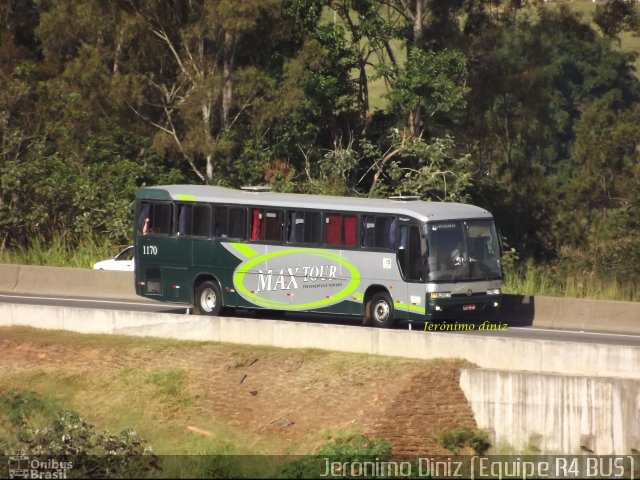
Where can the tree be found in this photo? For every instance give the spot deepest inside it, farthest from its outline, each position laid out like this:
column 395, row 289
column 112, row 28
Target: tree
column 220, row 61
column 430, row 170
column 430, row 84
column 616, row 16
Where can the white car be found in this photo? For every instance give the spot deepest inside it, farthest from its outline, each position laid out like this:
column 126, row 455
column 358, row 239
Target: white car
column 123, row 261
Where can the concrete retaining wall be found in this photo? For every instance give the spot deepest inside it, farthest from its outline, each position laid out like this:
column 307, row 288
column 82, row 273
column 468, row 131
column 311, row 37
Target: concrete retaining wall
column 67, row 282
column 588, row 315
column 505, row 353
column 563, row 414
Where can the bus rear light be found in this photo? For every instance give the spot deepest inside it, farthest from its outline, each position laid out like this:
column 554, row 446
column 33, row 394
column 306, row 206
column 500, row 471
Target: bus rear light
column 140, row 283
column 175, row 286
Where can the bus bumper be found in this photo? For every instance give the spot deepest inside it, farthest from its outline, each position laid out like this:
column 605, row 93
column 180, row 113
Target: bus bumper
column 463, row 307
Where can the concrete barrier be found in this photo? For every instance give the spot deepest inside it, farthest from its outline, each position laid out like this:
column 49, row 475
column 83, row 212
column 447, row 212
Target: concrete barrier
column 586, row 314
column 67, row 282
column 555, row 414
column 546, row 312
column 505, row 353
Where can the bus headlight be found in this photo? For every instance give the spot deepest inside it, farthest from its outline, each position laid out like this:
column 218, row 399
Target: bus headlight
column 493, row 291
column 435, row 295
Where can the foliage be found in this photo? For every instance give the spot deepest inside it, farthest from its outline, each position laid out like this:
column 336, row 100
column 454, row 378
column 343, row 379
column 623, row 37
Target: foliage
column 528, row 110
column 355, row 447
column 68, row 437
column 411, row 166
column 616, row 16
column 460, row 438
column 431, row 86
column 569, row 276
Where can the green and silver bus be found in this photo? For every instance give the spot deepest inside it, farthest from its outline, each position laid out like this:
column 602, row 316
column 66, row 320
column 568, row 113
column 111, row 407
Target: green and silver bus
column 387, row 260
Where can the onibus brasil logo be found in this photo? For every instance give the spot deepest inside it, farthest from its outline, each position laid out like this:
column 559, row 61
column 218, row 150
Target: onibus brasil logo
column 22, row 466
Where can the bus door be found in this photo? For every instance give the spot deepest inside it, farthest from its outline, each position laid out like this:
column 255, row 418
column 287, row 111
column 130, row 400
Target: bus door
column 413, row 264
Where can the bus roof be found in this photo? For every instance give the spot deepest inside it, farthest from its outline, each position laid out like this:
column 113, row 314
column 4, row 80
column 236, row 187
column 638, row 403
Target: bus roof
column 421, row 210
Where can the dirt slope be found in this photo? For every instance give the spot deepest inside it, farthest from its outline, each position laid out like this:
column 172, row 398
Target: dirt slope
column 281, row 397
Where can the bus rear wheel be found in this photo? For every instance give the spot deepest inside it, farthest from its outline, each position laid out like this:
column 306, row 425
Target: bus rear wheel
column 379, row 311
column 208, row 299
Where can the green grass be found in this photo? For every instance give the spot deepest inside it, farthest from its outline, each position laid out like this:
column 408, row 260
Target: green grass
column 552, row 281
column 61, row 253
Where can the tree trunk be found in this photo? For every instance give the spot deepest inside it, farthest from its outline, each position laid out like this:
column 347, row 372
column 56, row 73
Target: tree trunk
column 206, row 126
column 418, row 27
column 229, row 53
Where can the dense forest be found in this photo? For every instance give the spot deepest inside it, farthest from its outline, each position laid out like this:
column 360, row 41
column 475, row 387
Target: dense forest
column 528, row 109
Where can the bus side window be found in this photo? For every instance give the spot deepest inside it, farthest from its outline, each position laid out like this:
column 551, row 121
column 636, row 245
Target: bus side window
column 184, row 220
column 267, row 225
column 313, row 227
column 160, row 218
column 201, row 221
column 237, row 225
column 350, row 230
column 304, row 227
column 143, row 214
column 333, row 229
column 368, row 231
column 389, row 230
column 273, row 225
column 379, row 231
column 257, row 228
column 228, row 222
column 296, row 227
column 220, row 220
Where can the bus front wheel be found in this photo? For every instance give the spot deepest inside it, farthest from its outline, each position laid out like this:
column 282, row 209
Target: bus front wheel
column 208, row 299
column 379, row 310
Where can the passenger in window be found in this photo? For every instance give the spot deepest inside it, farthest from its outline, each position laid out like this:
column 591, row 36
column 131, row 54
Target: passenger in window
column 146, row 227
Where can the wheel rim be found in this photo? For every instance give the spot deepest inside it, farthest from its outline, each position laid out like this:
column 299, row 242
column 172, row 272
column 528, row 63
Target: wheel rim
column 208, row 300
column 381, row 311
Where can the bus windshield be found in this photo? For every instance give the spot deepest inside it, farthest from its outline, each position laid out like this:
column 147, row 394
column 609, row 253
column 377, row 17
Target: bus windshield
column 463, row 251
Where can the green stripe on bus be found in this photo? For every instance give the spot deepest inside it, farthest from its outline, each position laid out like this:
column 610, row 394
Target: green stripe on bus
column 409, row 308
column 186, row 198
column 358, row 296
column 244, row 249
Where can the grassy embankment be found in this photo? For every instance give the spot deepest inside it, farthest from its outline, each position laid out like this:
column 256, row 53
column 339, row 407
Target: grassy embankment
column 184, row 397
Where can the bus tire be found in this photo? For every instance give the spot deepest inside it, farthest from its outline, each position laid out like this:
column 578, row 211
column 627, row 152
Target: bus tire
column 379, row 310
column 208, row 299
